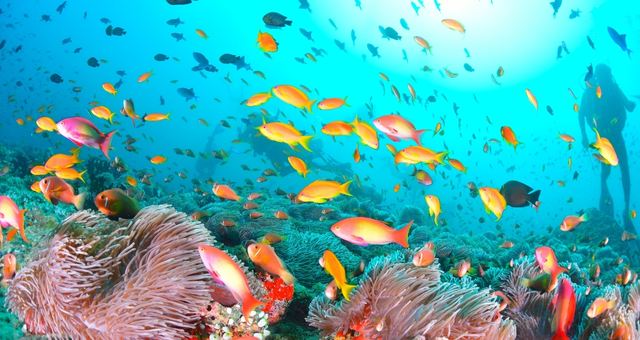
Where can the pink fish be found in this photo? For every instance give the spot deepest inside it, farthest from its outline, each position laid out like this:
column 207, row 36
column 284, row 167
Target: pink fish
column 397, row 128
column 225, row 270
column 81, row 131
column 11, row 215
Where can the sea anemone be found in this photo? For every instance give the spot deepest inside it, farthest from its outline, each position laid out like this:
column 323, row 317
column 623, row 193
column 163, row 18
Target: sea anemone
column 101, row 279
column 400, row 301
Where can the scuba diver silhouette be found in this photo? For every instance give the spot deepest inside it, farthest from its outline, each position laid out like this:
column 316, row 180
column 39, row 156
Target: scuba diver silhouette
column 608, row 115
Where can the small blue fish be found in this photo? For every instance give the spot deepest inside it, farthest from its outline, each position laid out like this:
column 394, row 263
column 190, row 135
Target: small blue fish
column 468, row 67
column 466, row 52
column 404, row 55
column 353, row 37
column 359, row 4
column 415, row 7
column 574, row 13
column 373, row 50
column 619, row 39
column 404, row 24
column 555, row 4
column 593, row 46
column 306, row 34
column 340, row 44
column 437, row 4
column 188, row 94
column 389, row 33
column 333, row 23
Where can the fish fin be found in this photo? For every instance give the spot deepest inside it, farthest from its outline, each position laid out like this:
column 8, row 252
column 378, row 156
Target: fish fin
column 78, row 200
column 304, row 142
column 418, row 135
column 249, row 304
column 346, row 290
column 392, row 137
column 287, row 277
column 80, row 176
column 75, row 152
column 560, row 335
column 403, row 235
column 440, row 156
column 344, row 188
column 11, row 234
column 288, row 22
column 105, row 145
column 309, row 105
column 21, row 225
column 534, row 197
column 584, row 217
column 345, row 101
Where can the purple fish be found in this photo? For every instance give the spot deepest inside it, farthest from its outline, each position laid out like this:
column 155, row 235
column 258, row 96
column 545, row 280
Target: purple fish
column 81, row 131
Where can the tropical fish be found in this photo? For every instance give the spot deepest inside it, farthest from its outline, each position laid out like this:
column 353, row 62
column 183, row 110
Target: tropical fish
column 572, row 221
column 258, row 99
column 320, row 191
column 115, row 203
column 547, row 261
column 276, row 20
column 454, row 25
column 225, row 192
column 337, row 128
column 606, row 152
column 364, row 231
column 226, row 271
column 493, row 201
column 425, row 256
column 298, row 165
column 396, row 128
column 564, row 308
column 367, row 134
column 419, row 154
column 46, row 124
column 61, row 161
column 103, row 112
column 619, row 39
column 532, row 98
column 284, row 133
column 57, row 190
column 70, row 174
column 332, row 103
column 81, row 131
column 433, row 202
column 518, row 194
column 293, row 96
column 9, row 267
column 267, row 43
column 266, row 258
column 599, row 306
column 509, row 136
column 129, row 110
column 11, row 215
column 333, row 267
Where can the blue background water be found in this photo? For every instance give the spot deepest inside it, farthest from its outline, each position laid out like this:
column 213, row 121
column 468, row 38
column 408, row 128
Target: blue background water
column 521, row 36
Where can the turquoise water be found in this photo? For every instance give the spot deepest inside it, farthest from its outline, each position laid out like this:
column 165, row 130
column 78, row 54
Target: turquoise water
column 522, row 37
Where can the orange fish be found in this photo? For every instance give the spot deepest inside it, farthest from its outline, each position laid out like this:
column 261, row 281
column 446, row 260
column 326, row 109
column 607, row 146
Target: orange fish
column 249, row 206
column 253, row 196
column 567, row 138
column 320, row 191
column 39, row 170
column 506, row 245
column 227, row 223
column 333, row 267
column 509, row 136
column 255, row 215
column 298, row 165
column 462, row 268
column 337, row 128
column 155, row 117
column 599, row 92
column 456, row 164
column 422, row 43
column 201, row 33
column 284, row 133
column 223, row 268
column 281, row 215
column 9, row 267
column 46, row 124
column 267, row 43
column 132, row 181
column 109, row 88
column 547, row 261
column 293, row 96
column 454, row 25
column 425, row 256
column 332, row 103
column 599, row 306
column 364, row 231
column 258, row 99
column 157, row 160
column 433, row 202
column 144, row 77
column 356, row 154
column 367, row 134
column 61, row 161
column 70, row 174
column 11, row 215
column 224, row 191
column 266, row 258
column 572, row 221
column 564, row 308
column 57, row 190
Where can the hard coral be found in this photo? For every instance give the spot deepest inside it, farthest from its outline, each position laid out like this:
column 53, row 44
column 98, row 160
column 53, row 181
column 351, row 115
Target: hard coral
column 100, row 279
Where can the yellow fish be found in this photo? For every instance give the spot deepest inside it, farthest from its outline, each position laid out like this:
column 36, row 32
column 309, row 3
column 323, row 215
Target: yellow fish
column 320, row 191
column 433, row 202
column 284, row 133
column 493, row 201
column 293, row 96
column 333, row 267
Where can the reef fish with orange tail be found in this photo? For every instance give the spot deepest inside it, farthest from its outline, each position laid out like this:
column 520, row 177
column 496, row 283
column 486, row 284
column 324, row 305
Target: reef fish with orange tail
column 266, row 258
column 333, row 267
column 57, row 190
column 364, row 231
column 284, row 133
column 293, row 96
column 11, row 215
column 548, row 263
column 493, row 201
column 564, row 309
column 321, row 191
column 224, row 270
column 83, row 132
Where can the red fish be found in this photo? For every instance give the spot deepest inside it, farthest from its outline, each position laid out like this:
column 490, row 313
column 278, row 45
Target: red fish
column 564, row 309
column 81, row 131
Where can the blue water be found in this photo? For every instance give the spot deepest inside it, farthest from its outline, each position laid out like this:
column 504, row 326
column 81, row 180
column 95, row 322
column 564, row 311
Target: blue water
column 520, row 36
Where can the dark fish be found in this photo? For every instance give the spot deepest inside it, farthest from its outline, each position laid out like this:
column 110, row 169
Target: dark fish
column 559, row 52
column 93, row 62
column 178, row 36
column 178, row 2
column 564, row 47
column 389, row 33
column 174, row 22
column 359, row 4
column 56, row 78
column 306, row 34
column 468, row 67
column 203, row 63
column 160, row 57
column 275, row 20
column 333, row 24
column 2, row 43
column 118, row 84
column 555, row 4
column 518, row 194
column 66, row 41
column 373, row 50
column 117, row 31
column 115, row 203
column 161, row 100
column 593, row 46
column 61, row 7
column 550, row 109
column 304, row 4
column 318, row 52
column 300, row 60
column 415, row 7
column 77, row 50
column 45, row 18
column 121, row 73
column 353, row 37
column 228, row 58
column 619, row 39
column 589, row 75
column 340, row 44
column 188, row 94
column 574, row 13
column 105, row 20
column 200, row 58
column 404, row 24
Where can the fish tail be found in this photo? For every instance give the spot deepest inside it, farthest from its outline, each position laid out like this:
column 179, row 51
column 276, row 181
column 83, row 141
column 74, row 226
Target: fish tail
column 403, row 235
column 288, row 22
column 346, row 290
column 534, row 197
column 21, row 225
column 304, row 141
column 418, row 135
column 105, row 145
column 75, row 152
column 80, row 176
column 440, row 157
column 78, row 200
column 249, row 304
column 287, row 277
column 309, row 105
column 560, row 335
column 584, row 217
column 344, row 188
column 345, row 101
